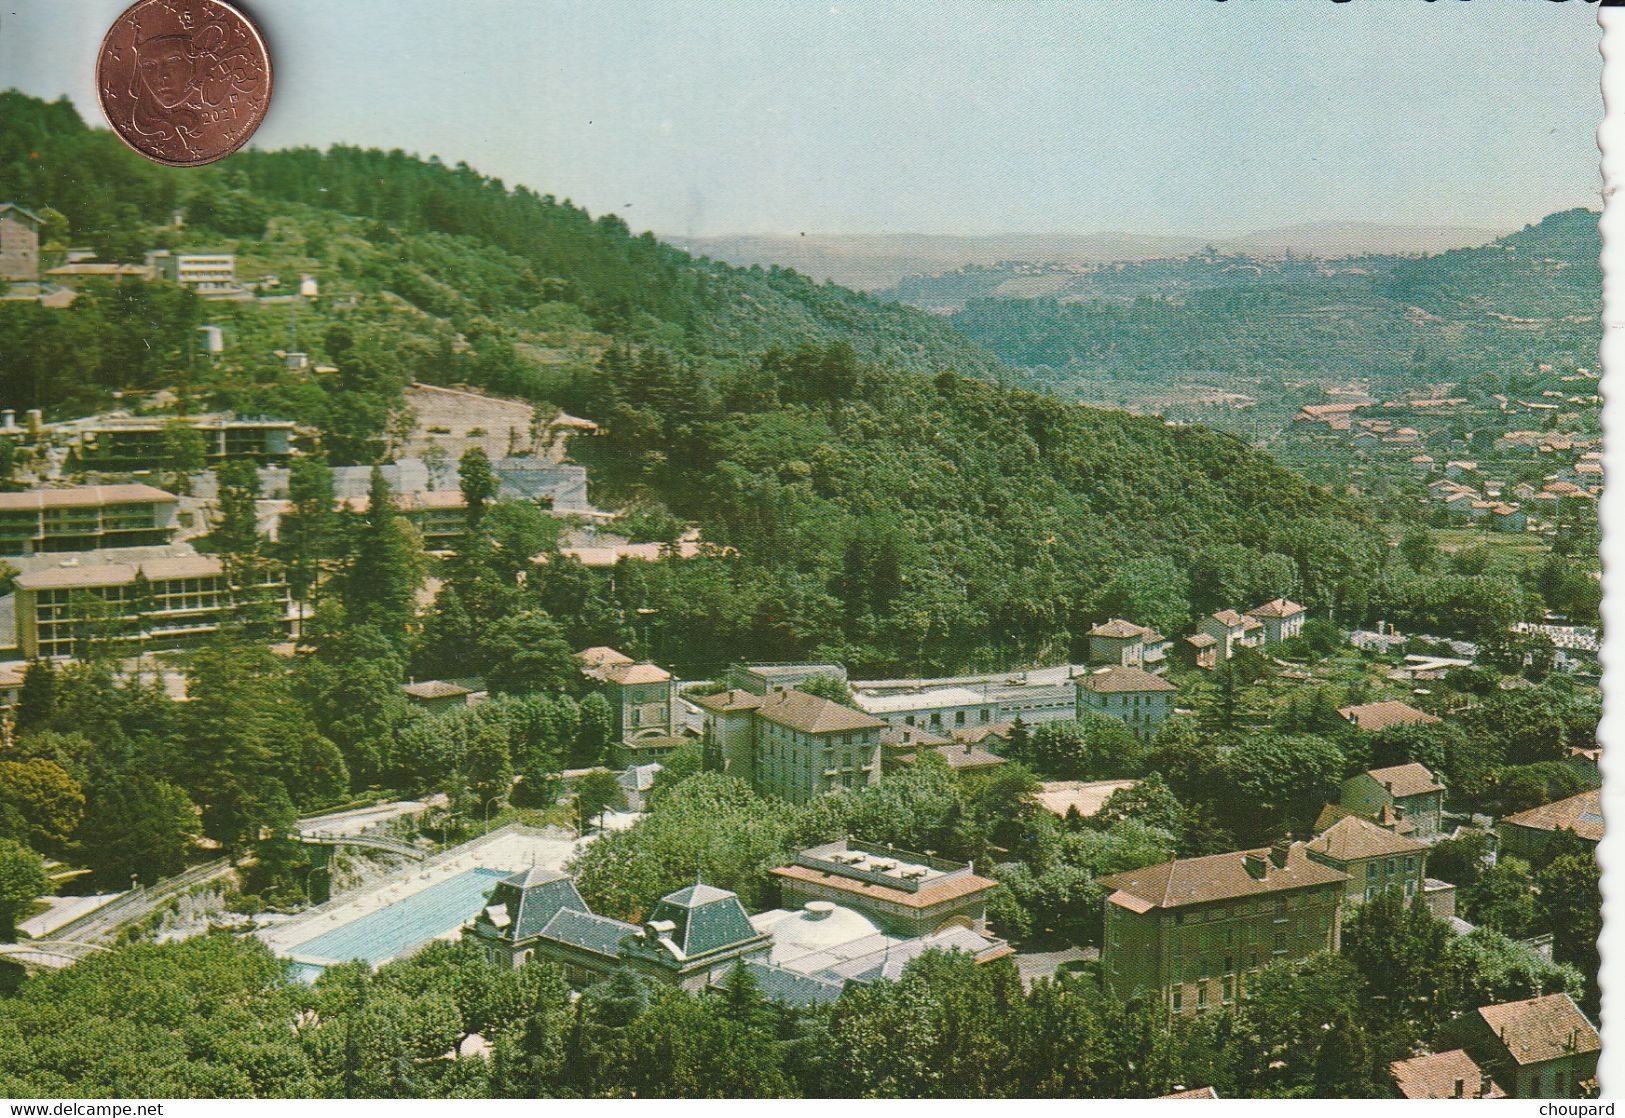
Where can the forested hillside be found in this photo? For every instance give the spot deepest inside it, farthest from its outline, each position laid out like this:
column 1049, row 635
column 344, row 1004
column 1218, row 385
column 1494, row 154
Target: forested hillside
column 497, row 273
column 1526, row 298
column 885, row 508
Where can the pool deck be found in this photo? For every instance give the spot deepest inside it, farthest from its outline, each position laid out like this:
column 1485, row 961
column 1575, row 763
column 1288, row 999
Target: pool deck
column 508, row 849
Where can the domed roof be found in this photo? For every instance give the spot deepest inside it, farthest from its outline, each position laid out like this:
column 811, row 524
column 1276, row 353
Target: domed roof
column 817, row 926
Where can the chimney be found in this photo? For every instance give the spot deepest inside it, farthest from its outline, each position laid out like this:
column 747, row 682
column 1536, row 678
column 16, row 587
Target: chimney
column 1484, row 1085
column 8, row 419
column 1388, row 786
column 1254, row 865
column 1461, row 1089
column 1279, row 852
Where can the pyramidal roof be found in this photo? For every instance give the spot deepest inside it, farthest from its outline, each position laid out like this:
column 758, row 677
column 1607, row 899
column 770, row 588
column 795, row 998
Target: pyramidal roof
column 531, row 898
column 1352, row 838
column 698, row 894
column 533, row 876
column 705, row 919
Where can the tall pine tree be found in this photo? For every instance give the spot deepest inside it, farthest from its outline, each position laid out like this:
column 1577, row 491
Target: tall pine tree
column 381, row 584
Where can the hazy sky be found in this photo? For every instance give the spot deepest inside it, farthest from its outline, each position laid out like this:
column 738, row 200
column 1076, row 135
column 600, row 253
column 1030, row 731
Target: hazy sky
column 1177, row 116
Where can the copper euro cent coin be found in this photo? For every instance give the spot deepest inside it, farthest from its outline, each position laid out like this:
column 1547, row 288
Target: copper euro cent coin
column 184, row 82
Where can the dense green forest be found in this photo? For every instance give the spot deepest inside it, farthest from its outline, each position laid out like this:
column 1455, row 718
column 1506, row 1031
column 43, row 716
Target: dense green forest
column 214, row 1017
column 885, row 509
column 1529, row 297
column 470, row 275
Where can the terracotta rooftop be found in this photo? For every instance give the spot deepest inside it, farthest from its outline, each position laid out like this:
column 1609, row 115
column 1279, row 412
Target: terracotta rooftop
column 1229, row 618
column 813, row 715
column 1539, row 1029
column 1280, row 607
column 1119, row 629
column 1436, row 1075
column 975, row 735
column 600, row 656
column 1413, row 779
column 1581, row 814
column 906, row 736
column 1193, row 1093
column 1216, row 877
column 1352, row 838
column 1380, row 716
column 84, row 496
column 117, row 574
column 628, row 674
column 1202, row 640
column 1118, row 679
column 726, row 702
column 951, row 888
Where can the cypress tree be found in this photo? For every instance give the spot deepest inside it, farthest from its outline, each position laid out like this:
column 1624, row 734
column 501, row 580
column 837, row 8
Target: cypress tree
column 382, row 581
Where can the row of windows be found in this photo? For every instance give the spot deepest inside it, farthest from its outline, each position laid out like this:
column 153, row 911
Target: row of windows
column 1232, row 909
column 984, row 713
column 1231, row 935
column 1391, row 867
column 1371, row 891
column 210, row 584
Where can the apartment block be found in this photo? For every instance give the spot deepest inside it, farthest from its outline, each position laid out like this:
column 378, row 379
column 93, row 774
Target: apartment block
column 156, row 604
column 86, row 518
column 1193, row 932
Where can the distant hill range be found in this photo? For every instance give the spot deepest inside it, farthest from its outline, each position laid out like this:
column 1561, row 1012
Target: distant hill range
column 1251, row 322
column 871, row 262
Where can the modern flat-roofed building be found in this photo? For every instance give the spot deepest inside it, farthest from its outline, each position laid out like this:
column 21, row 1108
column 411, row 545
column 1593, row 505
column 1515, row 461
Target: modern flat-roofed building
column 941, row 709
column 837, row 944
column 1192, row 932
column 210, row 274
column 905, row 894
column 119, row 442
column 86, row 518
column 760, row 679
column 1034, row 703
column 155, row 604
column 440, row 515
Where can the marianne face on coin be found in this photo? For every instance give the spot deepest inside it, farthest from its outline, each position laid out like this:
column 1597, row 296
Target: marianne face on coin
column 184, row 82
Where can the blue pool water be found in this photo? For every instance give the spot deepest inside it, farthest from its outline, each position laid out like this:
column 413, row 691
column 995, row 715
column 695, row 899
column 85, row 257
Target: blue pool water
column 383, row 934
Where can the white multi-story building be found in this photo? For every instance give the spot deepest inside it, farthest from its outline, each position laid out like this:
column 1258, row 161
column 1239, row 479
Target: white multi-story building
column 207, row 273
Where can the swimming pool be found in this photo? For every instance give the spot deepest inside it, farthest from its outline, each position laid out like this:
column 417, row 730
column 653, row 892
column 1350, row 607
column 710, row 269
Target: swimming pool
column 385, row 933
